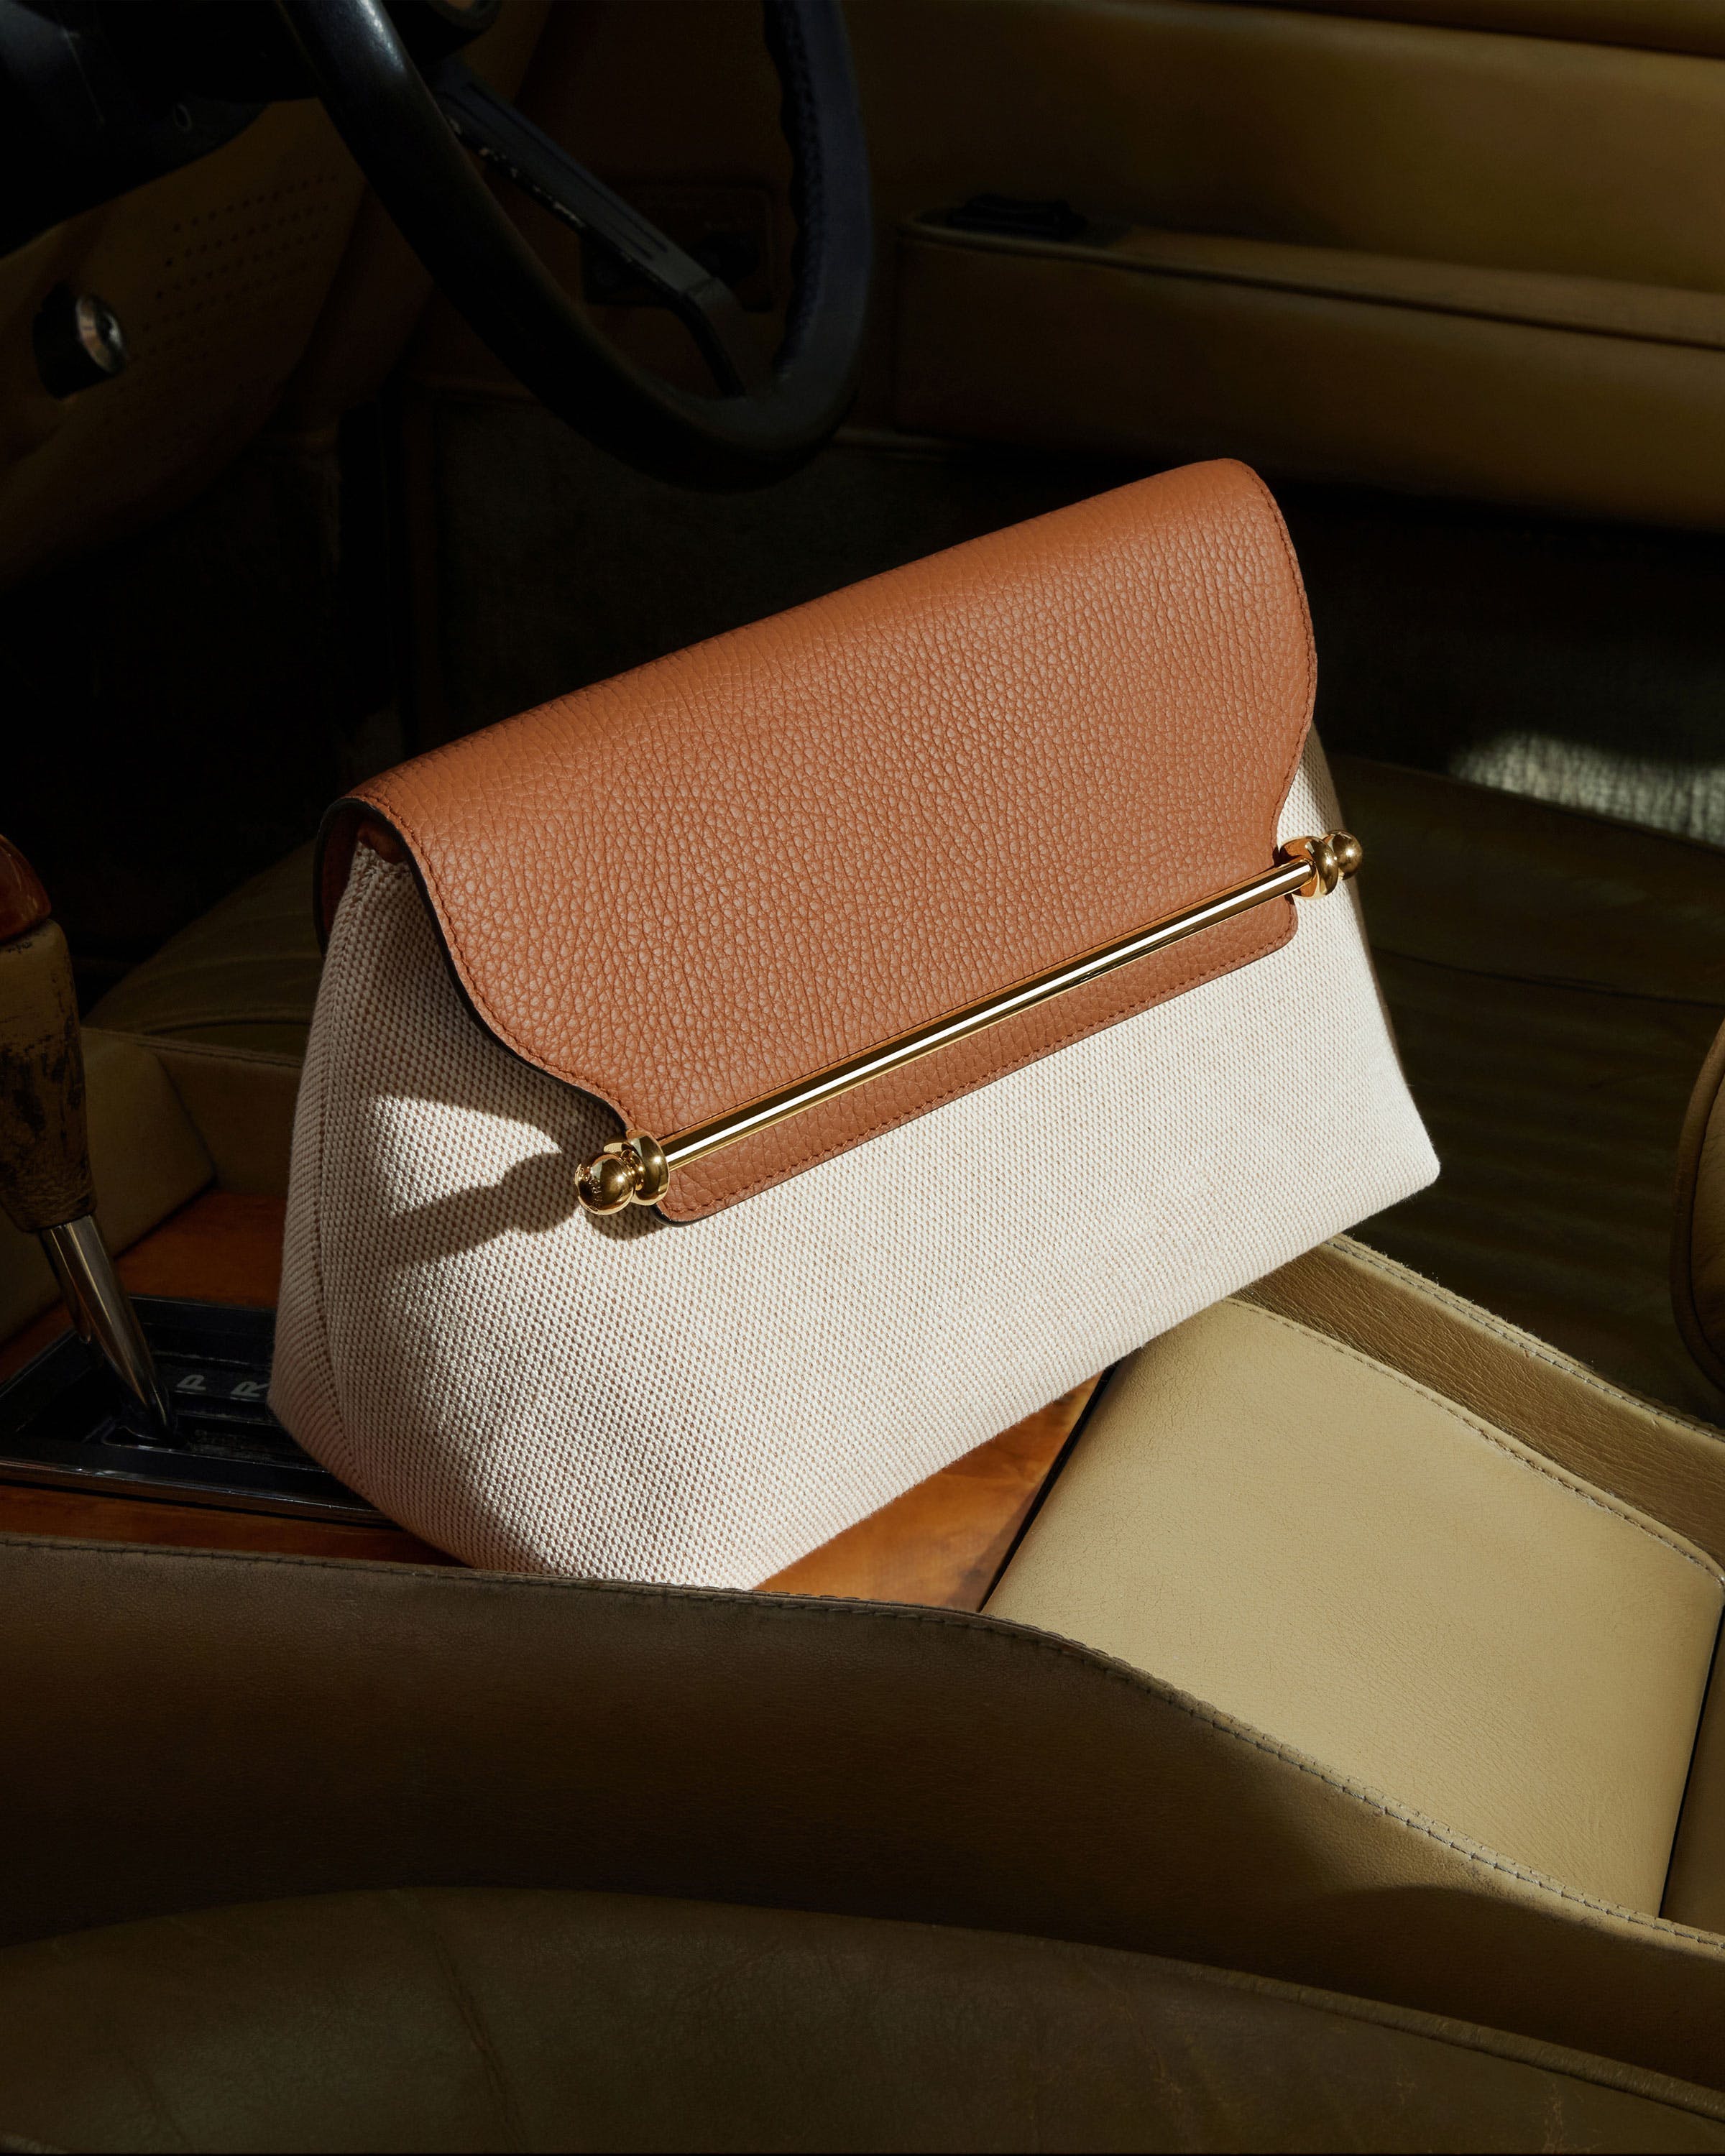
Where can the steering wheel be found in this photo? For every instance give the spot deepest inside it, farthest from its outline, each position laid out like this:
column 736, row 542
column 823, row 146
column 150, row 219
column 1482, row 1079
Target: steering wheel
column 410, row 133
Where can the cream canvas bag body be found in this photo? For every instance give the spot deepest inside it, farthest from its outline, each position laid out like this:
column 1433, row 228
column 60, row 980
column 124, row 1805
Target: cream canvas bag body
column 536, row 1310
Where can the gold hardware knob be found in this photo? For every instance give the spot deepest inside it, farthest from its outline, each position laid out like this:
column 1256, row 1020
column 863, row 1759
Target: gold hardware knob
column 605, row 1184
column 1333, row 859
column 629, row 1171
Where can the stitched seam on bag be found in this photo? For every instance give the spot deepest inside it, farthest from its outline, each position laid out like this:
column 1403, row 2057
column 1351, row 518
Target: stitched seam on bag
column 1510, row 1448
column 326, row 1354
column 1528, row 1343
column 1003, row 1634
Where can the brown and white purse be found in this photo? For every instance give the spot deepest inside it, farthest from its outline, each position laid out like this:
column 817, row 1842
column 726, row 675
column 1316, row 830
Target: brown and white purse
column 741, row 1088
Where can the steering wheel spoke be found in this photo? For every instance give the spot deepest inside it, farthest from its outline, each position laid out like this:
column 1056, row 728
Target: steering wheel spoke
column 508, row 140
column 413, row 139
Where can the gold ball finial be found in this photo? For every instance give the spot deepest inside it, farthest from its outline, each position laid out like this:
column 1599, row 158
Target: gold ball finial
column 1348, row 851
column 607, row 1183
column 629, row 1171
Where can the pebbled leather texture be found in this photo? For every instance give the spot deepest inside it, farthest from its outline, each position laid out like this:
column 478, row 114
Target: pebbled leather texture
column 802, row 1347
column 685, row 887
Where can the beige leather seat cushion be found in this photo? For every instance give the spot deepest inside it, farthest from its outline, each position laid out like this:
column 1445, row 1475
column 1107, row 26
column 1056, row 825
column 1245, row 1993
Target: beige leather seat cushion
column 487, row 2020
column 245, row 975
column 1342, row 1558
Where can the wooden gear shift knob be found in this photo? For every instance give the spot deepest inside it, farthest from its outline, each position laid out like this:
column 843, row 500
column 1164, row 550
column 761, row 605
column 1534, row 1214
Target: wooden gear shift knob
column 45, row 1183
column 44, row 1147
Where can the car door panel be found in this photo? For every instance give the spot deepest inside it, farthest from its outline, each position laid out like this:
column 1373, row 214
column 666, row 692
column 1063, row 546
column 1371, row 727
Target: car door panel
column 1439, row 258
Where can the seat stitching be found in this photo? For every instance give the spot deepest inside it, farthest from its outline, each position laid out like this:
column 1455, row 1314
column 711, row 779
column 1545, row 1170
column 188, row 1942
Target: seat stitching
column 1510, row 1448
column 105, row 2027
column 412, row 1907
column 1512, row 1336
column 998, row 1630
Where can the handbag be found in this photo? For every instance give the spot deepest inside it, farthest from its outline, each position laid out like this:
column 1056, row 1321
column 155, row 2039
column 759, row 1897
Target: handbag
column 739, row 1089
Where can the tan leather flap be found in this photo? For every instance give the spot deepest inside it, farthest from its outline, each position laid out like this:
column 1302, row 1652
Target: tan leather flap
column 706, row 879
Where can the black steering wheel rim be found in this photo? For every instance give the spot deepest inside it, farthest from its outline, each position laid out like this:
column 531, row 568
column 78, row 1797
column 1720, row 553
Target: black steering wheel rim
column 399, row 127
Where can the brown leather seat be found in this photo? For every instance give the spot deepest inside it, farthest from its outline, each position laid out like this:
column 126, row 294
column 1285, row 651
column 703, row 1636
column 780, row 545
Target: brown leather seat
column 485, row 2019
column 1364, row 1644
column 1405, row 1623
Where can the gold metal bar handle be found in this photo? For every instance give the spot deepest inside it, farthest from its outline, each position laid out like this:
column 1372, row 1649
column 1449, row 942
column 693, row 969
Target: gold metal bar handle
column 636, row 1169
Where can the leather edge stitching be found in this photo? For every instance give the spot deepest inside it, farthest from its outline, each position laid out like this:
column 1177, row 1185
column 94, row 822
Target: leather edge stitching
column 1512, row 1448
column 1527, row 1344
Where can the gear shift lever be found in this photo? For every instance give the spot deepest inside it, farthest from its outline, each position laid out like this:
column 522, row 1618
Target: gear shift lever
column 45, row 1185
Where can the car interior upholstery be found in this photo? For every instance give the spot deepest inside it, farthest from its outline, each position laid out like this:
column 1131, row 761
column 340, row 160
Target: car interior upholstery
column 1319, row 1747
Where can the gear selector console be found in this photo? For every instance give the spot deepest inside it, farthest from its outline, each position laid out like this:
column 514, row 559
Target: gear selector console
column 67, row 1420
column 155, row 1397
